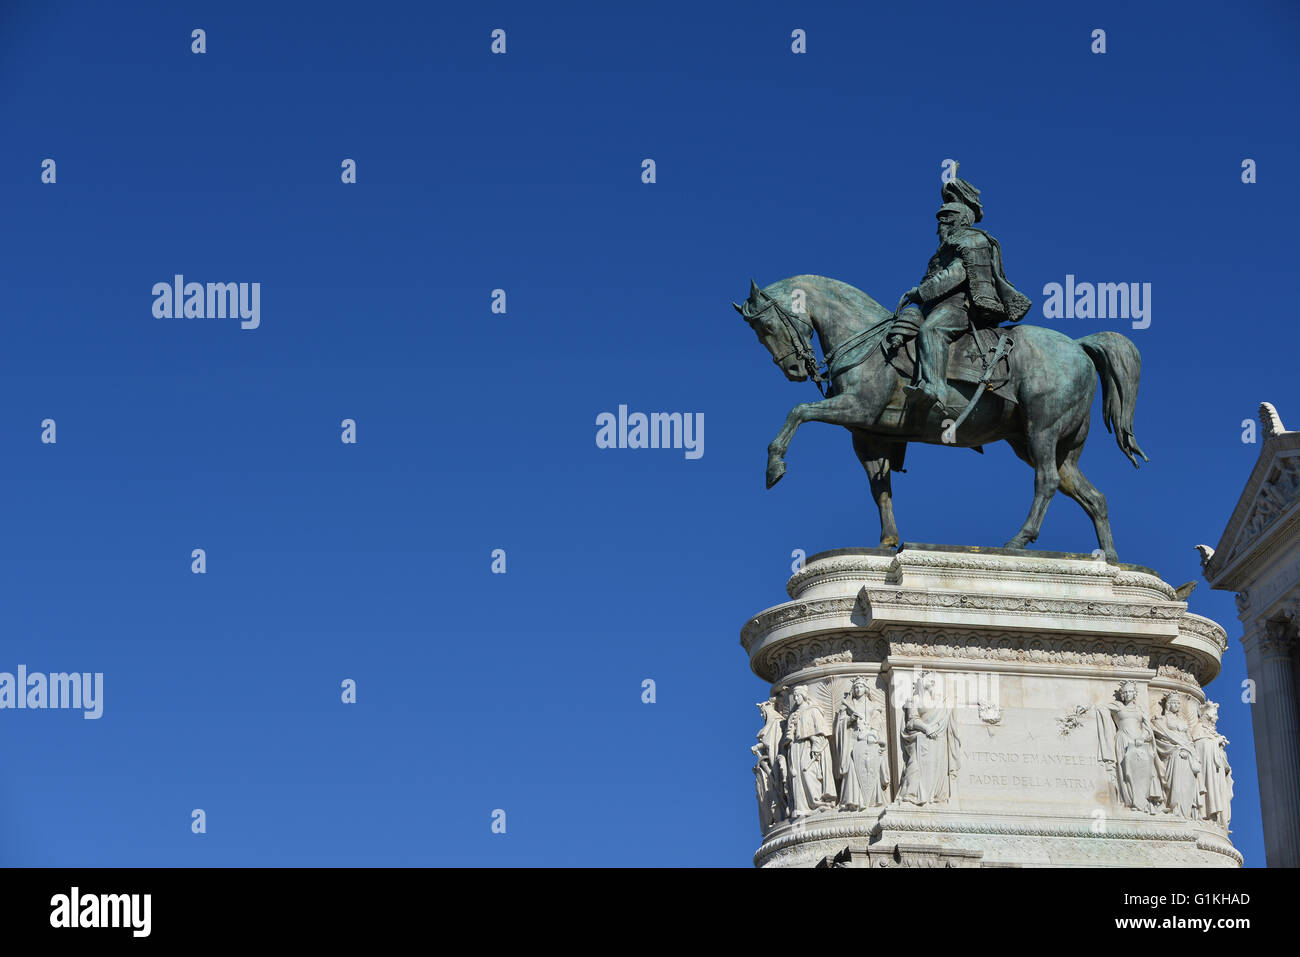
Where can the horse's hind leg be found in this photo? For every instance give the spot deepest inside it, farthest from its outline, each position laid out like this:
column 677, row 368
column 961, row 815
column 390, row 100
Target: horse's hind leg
column 1040, row 451
column 876, row 456
column 1077, row 486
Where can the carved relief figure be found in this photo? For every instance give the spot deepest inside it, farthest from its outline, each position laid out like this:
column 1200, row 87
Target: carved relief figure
column 1216, row 774
column 1265, row 511
column 769, row 772
column 1176, row 759
column 808, row 757
column 1127, row 746
column 1276, row 495
column 860, row 766
column 931, row 747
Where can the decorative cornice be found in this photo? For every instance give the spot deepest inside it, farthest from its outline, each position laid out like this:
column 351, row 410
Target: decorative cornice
column 1043, row 830
column 1130, row 579
column 765, row 621
column 838, row 568
column 1072, row 568
column 891, row 569
column 1219, row 847
column 870, row 825
column 1025, row 604
column 1205, row 628
column 1014, row 646
column 863, row 827
column 777, row 664
column 778, row 661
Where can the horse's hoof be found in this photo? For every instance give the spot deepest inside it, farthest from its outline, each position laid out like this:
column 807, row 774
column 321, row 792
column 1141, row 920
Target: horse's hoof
column 891, row 542
column 774, row 472
column 1017, row 543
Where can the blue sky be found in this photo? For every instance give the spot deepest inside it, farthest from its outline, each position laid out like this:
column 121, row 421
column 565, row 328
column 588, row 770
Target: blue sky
column 476, row 431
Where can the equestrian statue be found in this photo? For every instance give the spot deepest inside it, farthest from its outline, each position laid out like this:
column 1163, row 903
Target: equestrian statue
column 949, row 366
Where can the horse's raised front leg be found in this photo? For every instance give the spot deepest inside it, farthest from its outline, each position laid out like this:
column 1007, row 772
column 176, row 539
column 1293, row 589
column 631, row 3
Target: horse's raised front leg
column 838, row 410
column 877, row 457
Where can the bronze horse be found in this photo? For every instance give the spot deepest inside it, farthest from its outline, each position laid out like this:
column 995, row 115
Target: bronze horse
column 1053, row 378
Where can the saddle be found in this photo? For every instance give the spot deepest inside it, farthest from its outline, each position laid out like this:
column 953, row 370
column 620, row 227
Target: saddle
column 968, row 357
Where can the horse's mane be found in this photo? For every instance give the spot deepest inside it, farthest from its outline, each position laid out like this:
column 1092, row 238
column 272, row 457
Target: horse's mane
column 852, row 307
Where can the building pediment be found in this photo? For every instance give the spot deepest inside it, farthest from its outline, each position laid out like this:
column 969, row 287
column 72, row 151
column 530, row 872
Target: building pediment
column 1267, row 516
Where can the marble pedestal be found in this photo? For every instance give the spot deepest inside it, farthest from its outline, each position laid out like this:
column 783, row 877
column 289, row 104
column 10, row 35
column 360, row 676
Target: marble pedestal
column 967, row 707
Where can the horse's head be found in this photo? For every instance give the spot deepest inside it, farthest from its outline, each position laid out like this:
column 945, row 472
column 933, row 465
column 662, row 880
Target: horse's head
column 781, row 333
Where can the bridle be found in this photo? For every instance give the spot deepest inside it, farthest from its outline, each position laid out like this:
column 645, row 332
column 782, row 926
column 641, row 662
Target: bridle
column 840, row 359
column 801, row 341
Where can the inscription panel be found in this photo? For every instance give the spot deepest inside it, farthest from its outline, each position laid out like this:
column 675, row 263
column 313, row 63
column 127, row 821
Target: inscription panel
column 1037, row 744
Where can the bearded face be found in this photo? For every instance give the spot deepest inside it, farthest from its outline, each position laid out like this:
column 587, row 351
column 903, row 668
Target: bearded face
column 952, row 221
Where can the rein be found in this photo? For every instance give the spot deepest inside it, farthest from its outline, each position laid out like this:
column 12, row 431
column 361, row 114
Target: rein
column 842, row 359
column 852, row 352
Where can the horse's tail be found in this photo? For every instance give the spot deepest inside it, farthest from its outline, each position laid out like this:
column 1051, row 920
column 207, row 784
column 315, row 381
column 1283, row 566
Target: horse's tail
column 1120, row 366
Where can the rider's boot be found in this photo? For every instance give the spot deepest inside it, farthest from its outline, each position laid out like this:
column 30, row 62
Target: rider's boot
column 921, row 394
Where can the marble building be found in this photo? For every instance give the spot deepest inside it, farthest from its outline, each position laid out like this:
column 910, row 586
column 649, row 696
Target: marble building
column 1258, row 557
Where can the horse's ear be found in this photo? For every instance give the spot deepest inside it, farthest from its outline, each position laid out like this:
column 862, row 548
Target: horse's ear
column 754, row 291
column 738, row 308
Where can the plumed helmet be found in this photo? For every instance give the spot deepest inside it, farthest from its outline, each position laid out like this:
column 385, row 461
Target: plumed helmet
column 960, row 191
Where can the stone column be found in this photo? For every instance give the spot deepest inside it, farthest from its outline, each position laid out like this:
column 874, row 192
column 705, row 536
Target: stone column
column 1277, row 737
